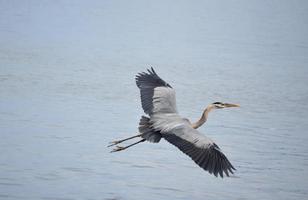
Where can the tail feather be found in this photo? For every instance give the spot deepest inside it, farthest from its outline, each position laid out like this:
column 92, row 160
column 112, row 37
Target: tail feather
column 146, row 131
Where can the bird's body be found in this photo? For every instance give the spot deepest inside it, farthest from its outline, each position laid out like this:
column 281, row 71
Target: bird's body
column 163, row 121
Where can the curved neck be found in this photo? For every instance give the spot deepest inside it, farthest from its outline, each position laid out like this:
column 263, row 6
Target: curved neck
column 203, row 118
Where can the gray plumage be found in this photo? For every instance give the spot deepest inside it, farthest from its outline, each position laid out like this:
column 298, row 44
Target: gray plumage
column 159, row 102
column 147, row 132
column 157, row 96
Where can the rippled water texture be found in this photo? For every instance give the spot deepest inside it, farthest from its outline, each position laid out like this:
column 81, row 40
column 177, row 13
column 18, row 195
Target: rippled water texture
column 67, row 88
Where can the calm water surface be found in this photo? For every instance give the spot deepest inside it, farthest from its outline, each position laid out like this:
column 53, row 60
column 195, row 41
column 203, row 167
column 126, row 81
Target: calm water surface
column 67, row 88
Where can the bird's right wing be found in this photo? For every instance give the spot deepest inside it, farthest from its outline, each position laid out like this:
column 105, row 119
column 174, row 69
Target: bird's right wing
column 157, row 96
column 201, row 149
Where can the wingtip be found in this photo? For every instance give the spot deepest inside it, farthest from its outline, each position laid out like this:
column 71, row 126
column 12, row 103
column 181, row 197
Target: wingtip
column 153, row 70
column 149, row 71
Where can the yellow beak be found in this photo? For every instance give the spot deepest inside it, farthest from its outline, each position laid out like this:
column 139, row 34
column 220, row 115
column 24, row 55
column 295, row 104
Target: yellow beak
column 228, row 105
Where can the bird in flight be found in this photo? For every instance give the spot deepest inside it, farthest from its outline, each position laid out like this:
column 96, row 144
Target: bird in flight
column 163, row 121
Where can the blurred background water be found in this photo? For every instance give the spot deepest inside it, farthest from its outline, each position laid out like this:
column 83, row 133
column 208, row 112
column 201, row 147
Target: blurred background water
column 67, row 88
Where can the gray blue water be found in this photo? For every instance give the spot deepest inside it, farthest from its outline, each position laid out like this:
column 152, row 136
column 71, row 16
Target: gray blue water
column 67, row 88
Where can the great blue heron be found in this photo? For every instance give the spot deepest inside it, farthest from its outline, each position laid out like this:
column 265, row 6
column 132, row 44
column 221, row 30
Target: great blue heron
column 158, row 102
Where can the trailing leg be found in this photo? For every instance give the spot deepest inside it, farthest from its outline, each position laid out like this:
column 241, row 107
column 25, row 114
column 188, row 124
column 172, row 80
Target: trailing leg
column 119, row 148
column 120, row 141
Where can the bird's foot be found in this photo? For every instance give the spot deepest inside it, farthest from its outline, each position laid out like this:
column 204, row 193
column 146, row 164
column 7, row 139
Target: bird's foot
column 118, row 148
column 114, row 143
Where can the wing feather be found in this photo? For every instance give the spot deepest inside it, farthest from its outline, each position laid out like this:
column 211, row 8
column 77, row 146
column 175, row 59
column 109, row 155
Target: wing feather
column 202, row 150
column 157, row 96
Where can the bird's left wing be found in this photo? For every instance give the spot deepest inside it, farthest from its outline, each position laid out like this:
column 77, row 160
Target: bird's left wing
column 157, row 96
column 201, row 149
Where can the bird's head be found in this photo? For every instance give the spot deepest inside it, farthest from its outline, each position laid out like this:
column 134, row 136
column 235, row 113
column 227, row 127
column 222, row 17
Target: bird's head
column 220, row 105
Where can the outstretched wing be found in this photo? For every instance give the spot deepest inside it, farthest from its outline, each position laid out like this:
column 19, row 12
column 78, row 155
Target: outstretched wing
column 201, row 149
column 157, row 96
